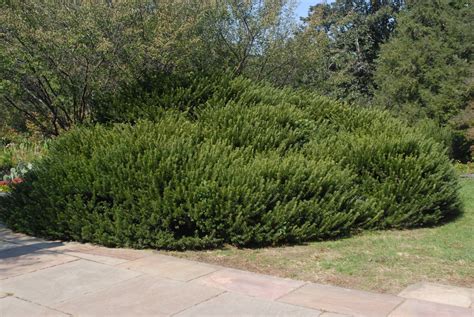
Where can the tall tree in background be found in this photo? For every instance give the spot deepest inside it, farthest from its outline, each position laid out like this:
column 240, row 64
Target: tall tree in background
column 60, row 62
column 348, row 34
column 426, row 69
column 56, row 58
column 253, row 32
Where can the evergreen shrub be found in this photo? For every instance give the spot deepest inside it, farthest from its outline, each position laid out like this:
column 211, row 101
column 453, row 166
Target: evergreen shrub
column 252, row 166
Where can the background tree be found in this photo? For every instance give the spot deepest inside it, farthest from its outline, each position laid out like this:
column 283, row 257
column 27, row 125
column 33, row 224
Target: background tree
column 254, row 34
column 63, row 62
column 349, row 35
column 55, row 58
column 425, row 71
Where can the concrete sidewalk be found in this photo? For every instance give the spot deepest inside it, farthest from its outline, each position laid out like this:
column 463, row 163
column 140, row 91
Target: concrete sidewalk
column 44, row 278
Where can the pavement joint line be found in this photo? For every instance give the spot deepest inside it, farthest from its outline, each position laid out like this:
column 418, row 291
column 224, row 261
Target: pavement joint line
column 159, row 276
column 215, row 268
column 323, row 311
column 151, row 275
column 398, row 305
column 329, row 311
column 301, row 305
column 165, row 277
column 221, row 268
column 204, row 301
column 42, row 305
column 291, row 291
column 94, row 247
column 40, row 269
column 100, row 289
column 90, row 260
column 85, row 259
column 9, row 241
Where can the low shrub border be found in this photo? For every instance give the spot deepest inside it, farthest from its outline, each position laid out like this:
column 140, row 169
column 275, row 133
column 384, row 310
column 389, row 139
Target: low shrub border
column 256, row 166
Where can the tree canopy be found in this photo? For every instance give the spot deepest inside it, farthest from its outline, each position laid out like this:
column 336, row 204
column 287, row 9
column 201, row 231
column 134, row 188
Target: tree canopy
column 424, row 71
column 69, row 63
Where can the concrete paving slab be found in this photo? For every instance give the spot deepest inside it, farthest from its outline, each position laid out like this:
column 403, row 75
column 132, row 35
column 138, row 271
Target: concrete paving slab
column 229, row 304
column 329, row 314
column 251, row 284
column 419, row 308
column 120, row 253
column 17, row 238
column 442, row 294
column 3, row 294
column 13, row 262
column 98, row 258
column 67, row 247
column 109, row 256
column 341, row 300
column 5, row 245
column 40, row 278
column 20, row 249
column 170, row 267
column 86, row 251
column 14, row 307
column 142, row 296
column 56, row 284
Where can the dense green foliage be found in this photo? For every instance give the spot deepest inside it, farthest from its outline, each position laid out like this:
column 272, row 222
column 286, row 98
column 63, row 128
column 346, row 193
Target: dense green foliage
column 411, row 57
column 425, row 71
column 168, row 136
column 51, row 75
column 348, row 35
column 253, row 165
column 69, row 63
column 422, row 72
column 61, row 61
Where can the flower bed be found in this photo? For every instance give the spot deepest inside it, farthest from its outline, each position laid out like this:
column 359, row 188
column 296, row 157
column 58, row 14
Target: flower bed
column 5, row 184
column 16, row 180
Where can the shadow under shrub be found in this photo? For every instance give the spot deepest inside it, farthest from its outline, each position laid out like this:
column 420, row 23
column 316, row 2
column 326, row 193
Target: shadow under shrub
column 253, row 166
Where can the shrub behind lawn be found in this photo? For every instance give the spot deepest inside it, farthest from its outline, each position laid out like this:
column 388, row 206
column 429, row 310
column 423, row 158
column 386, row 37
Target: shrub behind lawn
column 252, row 166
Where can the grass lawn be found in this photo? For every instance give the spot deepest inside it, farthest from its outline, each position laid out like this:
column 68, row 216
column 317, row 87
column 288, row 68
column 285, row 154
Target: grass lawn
column 384, row 261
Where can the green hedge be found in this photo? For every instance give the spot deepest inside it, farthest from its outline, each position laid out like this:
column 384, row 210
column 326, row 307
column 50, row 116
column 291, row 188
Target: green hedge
column 252, row 166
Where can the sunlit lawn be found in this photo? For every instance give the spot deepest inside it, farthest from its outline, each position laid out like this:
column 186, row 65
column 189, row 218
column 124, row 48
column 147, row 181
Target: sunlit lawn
column 381, row 261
